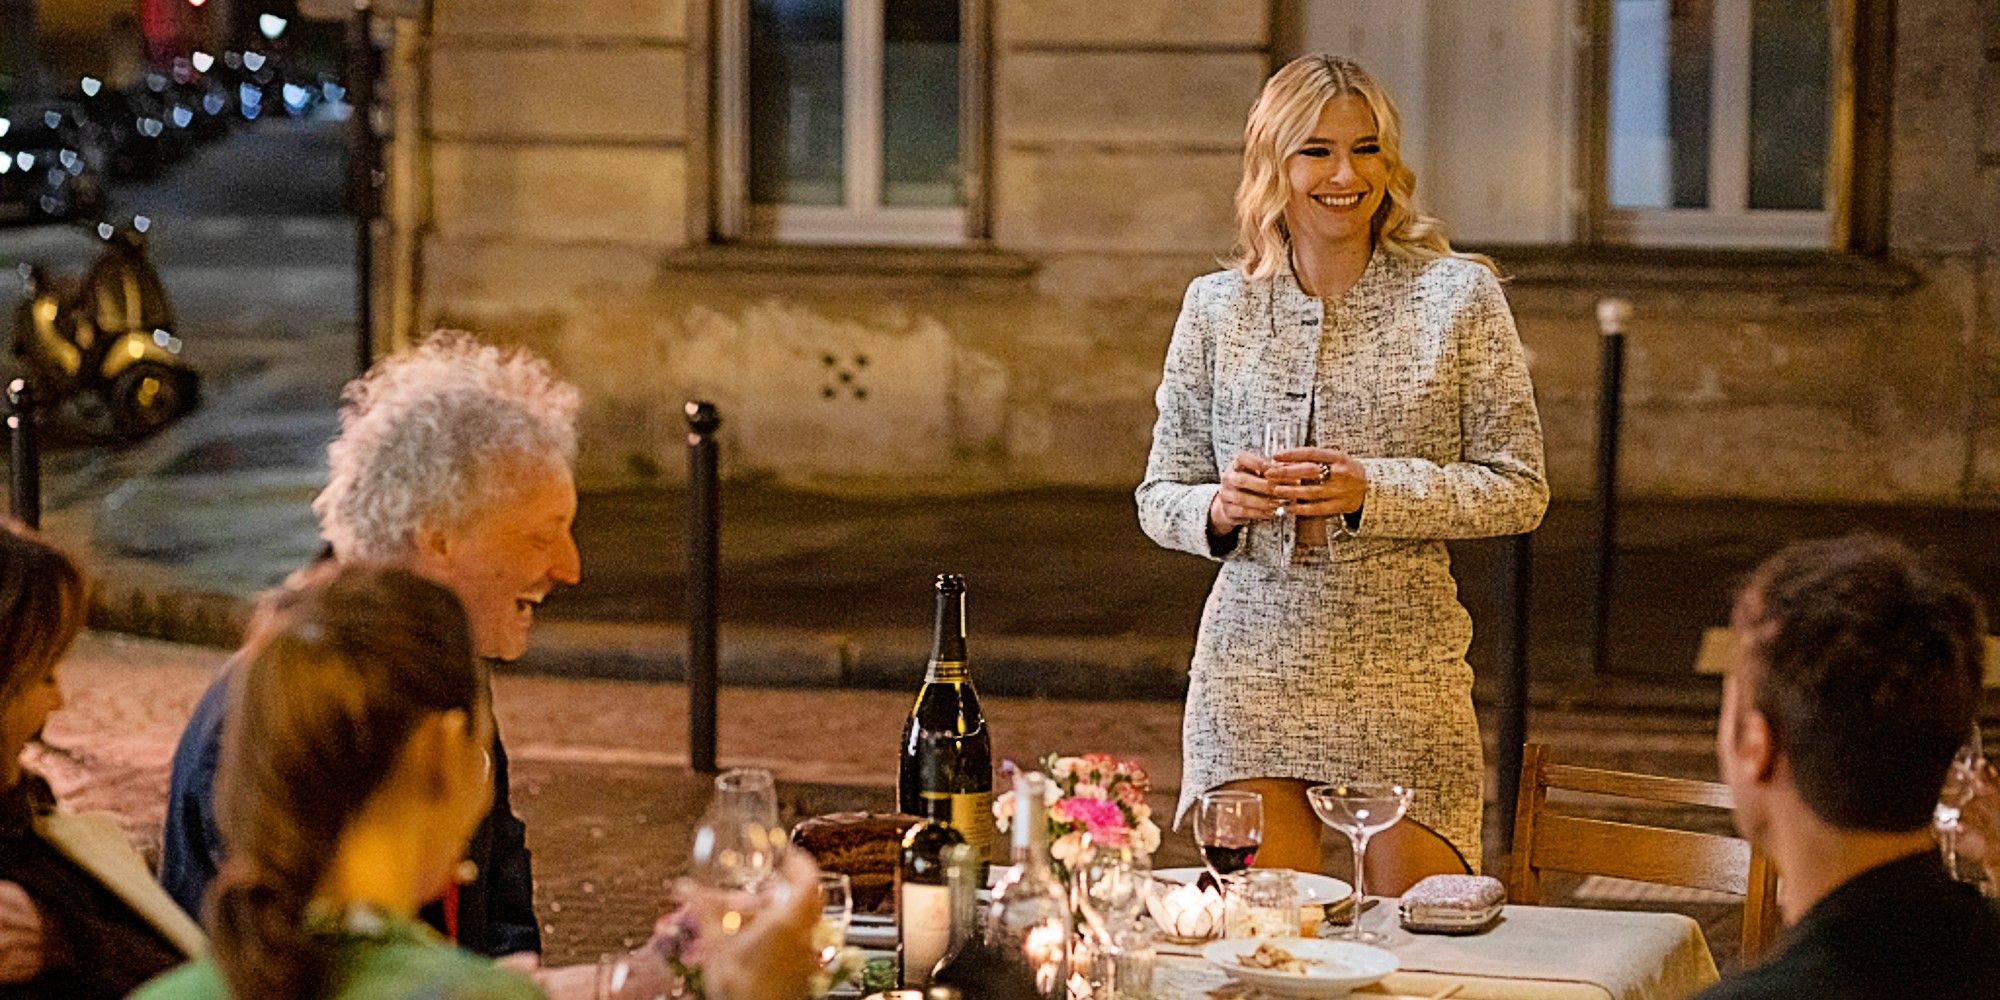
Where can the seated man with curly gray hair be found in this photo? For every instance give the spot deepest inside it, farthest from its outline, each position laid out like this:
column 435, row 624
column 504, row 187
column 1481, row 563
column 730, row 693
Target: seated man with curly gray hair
column 453, row 461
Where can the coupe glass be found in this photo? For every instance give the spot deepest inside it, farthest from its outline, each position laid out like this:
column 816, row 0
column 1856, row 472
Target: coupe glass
column 1228, row 827
column 1360, row 810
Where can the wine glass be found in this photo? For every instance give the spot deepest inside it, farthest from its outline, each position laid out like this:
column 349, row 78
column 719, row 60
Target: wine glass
column 1116, row 954
column 1360, row 810
column 1228, row 827
column 836, row 911
column 1282, row 435
column 738, row 843
column 1965, row 781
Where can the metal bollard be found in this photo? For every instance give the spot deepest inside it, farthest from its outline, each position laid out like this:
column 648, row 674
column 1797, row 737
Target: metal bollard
column 1612, row 315
column 704, row 559
column 24, row 487
column 1513, row 581
column 364, row 157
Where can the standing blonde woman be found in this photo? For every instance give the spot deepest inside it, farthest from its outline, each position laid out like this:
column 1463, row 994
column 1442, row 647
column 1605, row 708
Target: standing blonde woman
column 1337, row 650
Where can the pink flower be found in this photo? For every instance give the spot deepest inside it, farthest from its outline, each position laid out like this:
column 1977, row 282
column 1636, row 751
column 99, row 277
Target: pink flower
column 1100, row 817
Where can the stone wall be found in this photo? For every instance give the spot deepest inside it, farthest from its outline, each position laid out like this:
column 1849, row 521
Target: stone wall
column 570, row 211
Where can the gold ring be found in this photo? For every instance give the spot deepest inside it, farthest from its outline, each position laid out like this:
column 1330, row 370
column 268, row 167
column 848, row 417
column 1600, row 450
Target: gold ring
column 1325, row 473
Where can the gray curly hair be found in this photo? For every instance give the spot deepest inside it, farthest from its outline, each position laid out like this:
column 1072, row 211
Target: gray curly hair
column 429, row 436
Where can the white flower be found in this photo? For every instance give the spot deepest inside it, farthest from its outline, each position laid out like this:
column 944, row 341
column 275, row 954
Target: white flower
column 1067, row 847
column 1146, row 836
column 1003, row 811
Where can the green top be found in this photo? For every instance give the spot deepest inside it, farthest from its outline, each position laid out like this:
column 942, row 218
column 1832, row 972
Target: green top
column 382, row 957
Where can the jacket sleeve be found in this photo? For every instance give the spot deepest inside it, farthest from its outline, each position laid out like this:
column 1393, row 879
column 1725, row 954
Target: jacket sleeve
column 1497, row 486
column 1181, row 478
column 510, row 887
column 191, row 844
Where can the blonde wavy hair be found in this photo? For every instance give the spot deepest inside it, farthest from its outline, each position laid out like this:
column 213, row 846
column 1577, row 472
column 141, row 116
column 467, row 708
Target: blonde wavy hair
column 1280, row 122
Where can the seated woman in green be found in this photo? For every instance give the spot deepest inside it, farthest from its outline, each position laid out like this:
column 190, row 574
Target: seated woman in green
column 80, row 915
column 353, row 770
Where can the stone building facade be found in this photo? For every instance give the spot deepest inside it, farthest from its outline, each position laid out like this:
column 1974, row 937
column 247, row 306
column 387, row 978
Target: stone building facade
column 559, row 179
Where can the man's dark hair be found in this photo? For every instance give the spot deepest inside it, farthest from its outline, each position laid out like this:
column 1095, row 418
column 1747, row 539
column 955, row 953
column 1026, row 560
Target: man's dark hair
column 1868, row 664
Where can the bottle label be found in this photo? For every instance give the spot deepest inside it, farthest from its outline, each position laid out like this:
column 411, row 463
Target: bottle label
column 947, row 671
column 924, row 912
column 972, row 817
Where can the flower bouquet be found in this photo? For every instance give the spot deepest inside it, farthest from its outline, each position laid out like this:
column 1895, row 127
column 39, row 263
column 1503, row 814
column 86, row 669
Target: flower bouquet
column 1095, row 800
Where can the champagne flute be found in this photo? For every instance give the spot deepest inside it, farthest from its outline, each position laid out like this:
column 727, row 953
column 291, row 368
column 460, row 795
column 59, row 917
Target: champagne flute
column 1228, row 827
column 1360, row 810
column 1282, row 435
column 1962, row 783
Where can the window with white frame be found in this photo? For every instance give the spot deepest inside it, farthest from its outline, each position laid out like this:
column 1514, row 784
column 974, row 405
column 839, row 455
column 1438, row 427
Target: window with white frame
column 1722, row 123
column 842, row 121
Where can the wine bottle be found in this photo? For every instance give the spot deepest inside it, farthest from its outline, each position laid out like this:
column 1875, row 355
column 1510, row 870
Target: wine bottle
column 947, row 754
column 923, row 895
column 1029, row 923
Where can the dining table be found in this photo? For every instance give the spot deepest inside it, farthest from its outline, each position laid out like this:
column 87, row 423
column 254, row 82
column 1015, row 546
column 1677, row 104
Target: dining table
column 1539, row 952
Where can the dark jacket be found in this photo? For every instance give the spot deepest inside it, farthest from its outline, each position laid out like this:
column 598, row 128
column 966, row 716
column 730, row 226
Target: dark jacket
column 1903, row 929
column 496, row 911
column 99, row 947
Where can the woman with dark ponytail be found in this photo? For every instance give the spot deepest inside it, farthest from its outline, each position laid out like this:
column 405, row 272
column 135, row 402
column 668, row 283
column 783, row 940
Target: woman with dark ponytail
column 353, row 771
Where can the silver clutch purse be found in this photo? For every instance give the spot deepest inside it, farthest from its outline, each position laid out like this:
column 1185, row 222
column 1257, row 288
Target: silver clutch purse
column 1453, row 904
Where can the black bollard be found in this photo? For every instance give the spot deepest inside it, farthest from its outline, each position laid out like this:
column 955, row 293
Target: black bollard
column 1611, row 317
column 1513, row 581
column 704, row 559
column 24, row 486
column 363, row 167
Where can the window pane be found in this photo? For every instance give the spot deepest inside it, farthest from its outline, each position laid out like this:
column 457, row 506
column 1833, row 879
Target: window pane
column 1790, row 112
column 796, row 127
column 920, row 103
column 1661, row 58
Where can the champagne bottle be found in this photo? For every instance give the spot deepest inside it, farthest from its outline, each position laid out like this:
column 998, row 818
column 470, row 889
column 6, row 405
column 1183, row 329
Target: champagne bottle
column 923, row 895
column 1029, row 924
column 947, row 754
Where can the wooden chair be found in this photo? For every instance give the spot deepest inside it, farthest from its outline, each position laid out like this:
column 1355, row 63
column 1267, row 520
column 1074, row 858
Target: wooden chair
column 1546, row 840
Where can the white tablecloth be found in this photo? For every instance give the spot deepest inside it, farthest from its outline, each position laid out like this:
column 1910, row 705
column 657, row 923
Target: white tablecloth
column 1534, row 951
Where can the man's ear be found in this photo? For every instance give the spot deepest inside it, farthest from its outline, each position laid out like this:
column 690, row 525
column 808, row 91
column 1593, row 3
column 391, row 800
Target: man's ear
column 430, row 545
column 1757, row 744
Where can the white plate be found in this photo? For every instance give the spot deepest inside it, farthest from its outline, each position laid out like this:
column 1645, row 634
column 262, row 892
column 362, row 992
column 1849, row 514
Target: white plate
column 1338, row 967
column 1321, row 889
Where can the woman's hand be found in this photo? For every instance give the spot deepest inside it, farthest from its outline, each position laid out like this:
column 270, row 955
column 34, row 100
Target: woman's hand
column 20, row 935
column 1317, row 482
column 1245, row 495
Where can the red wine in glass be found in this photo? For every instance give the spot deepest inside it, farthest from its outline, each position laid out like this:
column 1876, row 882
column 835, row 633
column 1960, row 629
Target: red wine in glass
column 1228, row 859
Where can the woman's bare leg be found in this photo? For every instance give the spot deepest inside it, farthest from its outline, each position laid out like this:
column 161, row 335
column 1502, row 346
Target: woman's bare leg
column 1397, row 857
column 1401, row 855
column 1291, row 830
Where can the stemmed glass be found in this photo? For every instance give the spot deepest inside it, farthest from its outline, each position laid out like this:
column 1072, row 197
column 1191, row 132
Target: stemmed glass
column 1963, row 782
column 836, row 912
column 1228, row 827
column 1116, row 957
column 738, row 843
column 1282, row 435
column 1360, row 810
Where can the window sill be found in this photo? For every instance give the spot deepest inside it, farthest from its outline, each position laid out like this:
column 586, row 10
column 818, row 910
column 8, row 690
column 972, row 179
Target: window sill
column 926, row 262
column 1734, row 270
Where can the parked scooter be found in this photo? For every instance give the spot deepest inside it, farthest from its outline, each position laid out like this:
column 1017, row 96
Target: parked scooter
column 105, row 352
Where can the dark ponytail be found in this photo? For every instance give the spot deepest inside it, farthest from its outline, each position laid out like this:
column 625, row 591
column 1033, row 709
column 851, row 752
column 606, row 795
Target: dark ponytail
column 341, row 666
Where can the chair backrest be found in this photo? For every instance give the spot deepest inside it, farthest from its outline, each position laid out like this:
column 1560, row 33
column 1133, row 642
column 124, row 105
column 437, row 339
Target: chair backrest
column 1547, row 840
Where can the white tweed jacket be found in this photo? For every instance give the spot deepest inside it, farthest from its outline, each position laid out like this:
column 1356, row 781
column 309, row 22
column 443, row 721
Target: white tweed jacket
column 1421, row 376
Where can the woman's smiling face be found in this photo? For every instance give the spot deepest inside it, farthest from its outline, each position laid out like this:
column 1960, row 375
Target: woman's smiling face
column 1338, row 176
